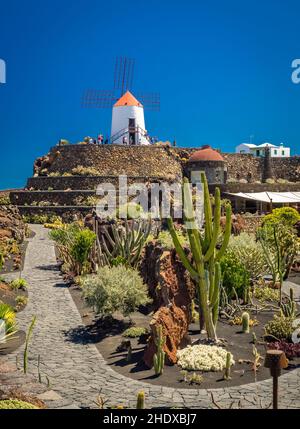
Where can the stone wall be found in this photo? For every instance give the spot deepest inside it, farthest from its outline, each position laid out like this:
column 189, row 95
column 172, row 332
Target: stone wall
column 113, row 160
column 69, row 198
column 144, row 164
column 11, row 224
column 157, row 161
column 286, row 168
column 243, row 166
column 83, row 182
column 68, row 213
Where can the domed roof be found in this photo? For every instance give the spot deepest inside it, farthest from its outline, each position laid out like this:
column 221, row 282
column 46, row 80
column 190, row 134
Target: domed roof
column 206, row 153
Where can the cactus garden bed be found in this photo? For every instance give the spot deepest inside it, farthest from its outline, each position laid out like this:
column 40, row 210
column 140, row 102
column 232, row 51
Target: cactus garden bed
column 127, row 277
column 109, row 337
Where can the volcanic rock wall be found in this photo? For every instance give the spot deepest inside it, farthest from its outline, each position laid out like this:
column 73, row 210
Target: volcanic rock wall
column 112, row 160
column 243, row 166
column 286, row 168
column 156, row 161
column 56, row 188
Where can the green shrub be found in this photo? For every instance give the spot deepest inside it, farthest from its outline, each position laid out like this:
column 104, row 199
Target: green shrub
column 118, row 260
column 21, row 300
column 135, row 332
column 18, row 284
column 115, row 289
column 266, row 294
column 90, row 201
column 83, row 242
column 280, row 328
column 15, row 404
column 4, row 200
column 165, row 240
column 250, row 254
column 234, row 276
column 65, row 236
column 285, row 215
column 36, row 219
column 281, row 245
column 74, row 245
column 84, row 171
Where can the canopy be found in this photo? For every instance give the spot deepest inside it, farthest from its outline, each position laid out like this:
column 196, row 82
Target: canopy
column 268, row 197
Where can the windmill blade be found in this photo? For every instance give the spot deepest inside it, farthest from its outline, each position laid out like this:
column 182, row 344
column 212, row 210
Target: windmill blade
column 100, row 99
column 124, row 71
column 150, row 100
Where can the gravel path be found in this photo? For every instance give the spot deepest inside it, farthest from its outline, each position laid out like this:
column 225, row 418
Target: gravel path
column 77, row 371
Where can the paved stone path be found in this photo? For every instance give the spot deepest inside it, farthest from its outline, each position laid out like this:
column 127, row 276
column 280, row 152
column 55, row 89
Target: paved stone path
column 77, row 371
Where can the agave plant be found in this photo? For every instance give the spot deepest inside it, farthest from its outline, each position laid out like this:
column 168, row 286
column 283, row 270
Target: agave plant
column 8, row 325
column 124, row 244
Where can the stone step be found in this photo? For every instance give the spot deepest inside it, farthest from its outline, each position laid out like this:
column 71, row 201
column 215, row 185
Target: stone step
column 86, row 182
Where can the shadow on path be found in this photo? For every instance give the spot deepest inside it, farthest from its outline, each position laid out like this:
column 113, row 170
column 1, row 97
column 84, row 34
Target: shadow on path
column 96, row 332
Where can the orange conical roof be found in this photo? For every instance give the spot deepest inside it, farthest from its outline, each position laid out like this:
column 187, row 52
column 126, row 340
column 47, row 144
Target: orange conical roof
column 128, row 100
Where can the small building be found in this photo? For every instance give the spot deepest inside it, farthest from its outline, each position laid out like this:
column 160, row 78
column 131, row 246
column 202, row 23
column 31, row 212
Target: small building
column 280, row 151
column 128, row 122
column 210, row 162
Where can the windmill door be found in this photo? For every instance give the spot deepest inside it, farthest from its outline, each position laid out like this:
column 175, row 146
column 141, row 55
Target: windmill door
column 132, row 131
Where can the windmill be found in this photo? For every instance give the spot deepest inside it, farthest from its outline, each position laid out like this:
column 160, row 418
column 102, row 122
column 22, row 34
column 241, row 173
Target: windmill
column 128, row 124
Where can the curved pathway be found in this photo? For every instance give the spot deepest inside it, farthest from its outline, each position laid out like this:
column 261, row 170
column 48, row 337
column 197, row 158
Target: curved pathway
column 78, row 371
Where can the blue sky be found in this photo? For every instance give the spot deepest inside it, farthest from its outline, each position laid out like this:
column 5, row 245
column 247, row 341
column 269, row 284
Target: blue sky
column 223, row 69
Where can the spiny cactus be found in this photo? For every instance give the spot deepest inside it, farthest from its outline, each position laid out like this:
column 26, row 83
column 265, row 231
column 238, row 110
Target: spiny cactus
column 140, row 403
column 129, row 354
column 245, row 322
column 159, row 357
column 127, row 242
column 205, row 268
column 228, row 367
column 288, row 308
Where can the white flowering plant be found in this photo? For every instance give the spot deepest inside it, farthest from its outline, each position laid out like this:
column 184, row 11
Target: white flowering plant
column 203, row 358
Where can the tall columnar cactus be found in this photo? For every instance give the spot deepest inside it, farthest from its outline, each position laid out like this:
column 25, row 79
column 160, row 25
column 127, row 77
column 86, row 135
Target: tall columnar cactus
column 205, row 267
column 126, row 242
column 140, row 403
column 245, row 322
column 228, row 367
column 159, row 357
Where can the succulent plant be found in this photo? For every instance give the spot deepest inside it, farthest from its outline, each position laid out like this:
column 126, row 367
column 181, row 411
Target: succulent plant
column 140, row 404
column 245, row 322
column 159, row 357
column 205, row 268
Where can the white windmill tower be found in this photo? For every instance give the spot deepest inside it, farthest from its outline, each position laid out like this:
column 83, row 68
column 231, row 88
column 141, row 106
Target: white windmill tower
column 128, row 121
